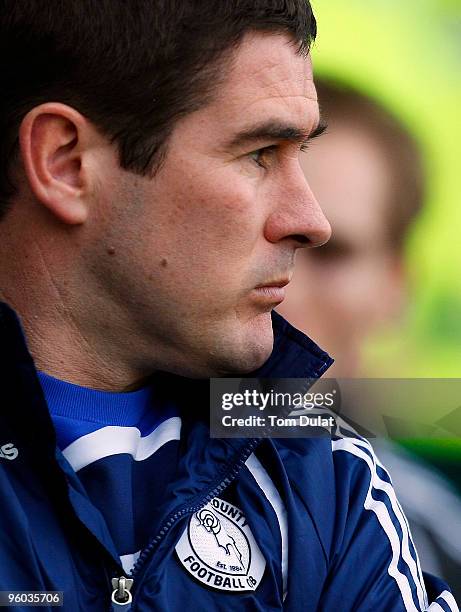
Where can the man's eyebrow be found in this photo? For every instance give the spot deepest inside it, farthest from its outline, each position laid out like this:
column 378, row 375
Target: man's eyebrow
column 271, row 130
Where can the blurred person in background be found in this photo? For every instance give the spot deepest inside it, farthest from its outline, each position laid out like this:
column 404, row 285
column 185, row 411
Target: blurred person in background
column 360, row 282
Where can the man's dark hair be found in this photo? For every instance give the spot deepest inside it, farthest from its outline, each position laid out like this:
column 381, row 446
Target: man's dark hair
column 343, row 103
column 133, row 67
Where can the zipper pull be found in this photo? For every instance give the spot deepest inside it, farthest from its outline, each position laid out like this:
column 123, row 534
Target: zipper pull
column 121, row 596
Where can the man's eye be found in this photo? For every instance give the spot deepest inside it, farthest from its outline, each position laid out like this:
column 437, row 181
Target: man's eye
column 262, row 156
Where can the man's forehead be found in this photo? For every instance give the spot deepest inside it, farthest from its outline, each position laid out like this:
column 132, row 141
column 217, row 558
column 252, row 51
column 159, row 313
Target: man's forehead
column 267, row 66
column 271, row 60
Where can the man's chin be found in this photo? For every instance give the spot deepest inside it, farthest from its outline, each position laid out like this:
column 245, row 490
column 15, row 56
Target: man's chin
column 249, row 348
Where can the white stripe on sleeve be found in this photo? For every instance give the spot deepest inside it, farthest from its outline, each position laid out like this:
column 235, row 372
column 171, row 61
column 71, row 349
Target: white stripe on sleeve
column 265, row 483
column 385, row 520
column 413, row 563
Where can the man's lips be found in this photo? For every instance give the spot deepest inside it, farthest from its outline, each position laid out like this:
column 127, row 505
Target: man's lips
column 276, row 283
column 272, row 292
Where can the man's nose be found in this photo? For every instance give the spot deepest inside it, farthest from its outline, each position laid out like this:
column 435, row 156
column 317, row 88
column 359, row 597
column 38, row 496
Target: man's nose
column 298, row 217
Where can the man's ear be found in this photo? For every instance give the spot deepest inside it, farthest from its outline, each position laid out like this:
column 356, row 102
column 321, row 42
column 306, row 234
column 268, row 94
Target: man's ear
column 53, row 140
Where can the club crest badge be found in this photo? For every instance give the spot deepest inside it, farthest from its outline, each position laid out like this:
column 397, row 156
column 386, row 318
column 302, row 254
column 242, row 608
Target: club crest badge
column 218, row 549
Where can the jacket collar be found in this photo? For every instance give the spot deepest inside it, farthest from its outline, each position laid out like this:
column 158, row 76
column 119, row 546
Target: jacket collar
column 294, row 354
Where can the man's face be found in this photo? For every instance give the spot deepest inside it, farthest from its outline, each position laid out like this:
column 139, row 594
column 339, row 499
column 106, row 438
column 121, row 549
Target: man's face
column 194, row 244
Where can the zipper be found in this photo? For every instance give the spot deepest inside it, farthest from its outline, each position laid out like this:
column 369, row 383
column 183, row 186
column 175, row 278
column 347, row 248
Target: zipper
column 122, row 585
column 121, row 595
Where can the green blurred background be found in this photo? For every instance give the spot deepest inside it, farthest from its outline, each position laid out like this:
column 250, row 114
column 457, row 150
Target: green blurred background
column 407, row 54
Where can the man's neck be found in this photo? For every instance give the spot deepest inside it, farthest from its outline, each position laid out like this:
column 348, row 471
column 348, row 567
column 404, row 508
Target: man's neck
column 55, row 328
column 62, row 351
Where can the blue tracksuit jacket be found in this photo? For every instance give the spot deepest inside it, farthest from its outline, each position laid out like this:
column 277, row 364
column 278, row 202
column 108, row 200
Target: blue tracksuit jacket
column 299, row 525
